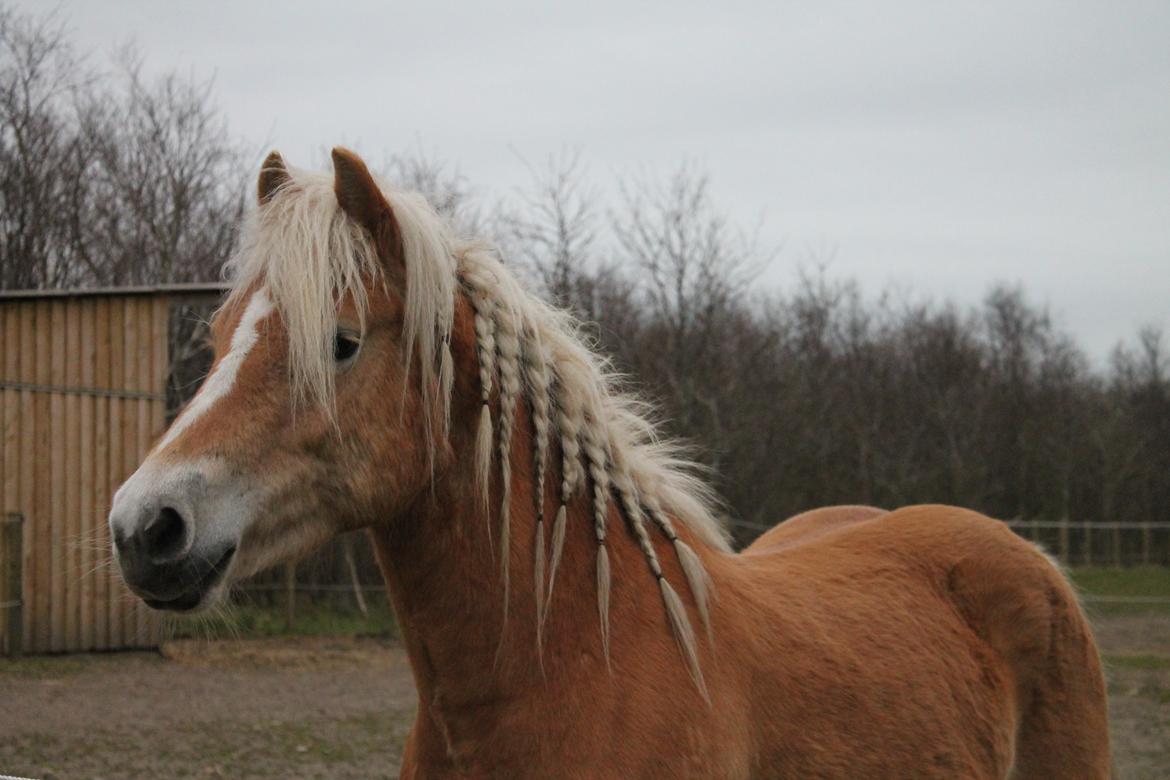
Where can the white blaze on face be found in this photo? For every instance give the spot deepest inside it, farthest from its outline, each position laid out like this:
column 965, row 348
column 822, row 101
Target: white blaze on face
column 209, row 500
column 223, row 378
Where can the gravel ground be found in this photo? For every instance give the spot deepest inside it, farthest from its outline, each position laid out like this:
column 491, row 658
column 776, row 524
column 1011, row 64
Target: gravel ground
column 288, row 708
column 1137, row 667
column 340, row 708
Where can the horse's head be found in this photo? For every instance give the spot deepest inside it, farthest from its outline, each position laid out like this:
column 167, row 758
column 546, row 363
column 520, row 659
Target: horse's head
column 366, row 361
column 327, row 404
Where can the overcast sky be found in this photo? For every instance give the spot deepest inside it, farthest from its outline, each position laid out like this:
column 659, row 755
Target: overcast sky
column 935, row 147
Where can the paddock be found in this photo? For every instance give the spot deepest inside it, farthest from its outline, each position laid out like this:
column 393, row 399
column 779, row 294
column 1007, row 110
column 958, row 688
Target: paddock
column 205, row 708
column 83, row 392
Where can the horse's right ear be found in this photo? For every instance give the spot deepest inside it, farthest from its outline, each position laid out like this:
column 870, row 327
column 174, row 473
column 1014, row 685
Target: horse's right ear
column 357, row 192
column 273, row 176
column 360, row 197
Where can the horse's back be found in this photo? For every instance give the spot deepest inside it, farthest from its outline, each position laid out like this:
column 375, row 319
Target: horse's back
column 813, row 524
column 951, row 610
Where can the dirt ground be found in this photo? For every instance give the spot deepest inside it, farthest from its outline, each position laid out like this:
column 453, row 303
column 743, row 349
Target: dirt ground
column 287, row 708
column 340, row 708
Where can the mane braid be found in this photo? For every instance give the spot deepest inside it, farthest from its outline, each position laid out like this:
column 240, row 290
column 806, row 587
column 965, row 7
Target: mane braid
column 698, row 580
column 597, row 457
column 679, row 622
column 308, row 255
column 538, row 382
column 570, row 477
column 485, row 348
column 508, row 361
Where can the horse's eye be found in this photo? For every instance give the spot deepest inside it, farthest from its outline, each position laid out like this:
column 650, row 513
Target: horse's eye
column 345, row 346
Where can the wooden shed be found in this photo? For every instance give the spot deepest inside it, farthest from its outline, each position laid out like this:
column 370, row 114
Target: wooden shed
column 83, row 393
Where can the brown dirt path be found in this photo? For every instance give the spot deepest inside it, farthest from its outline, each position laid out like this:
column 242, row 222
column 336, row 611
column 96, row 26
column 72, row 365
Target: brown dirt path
column 289, row 708
column 340, row 708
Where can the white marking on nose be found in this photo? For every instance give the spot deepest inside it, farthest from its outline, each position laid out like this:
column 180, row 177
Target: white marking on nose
column 223, row 378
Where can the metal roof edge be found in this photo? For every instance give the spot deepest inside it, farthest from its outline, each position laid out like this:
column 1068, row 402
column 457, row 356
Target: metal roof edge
column 188, row 288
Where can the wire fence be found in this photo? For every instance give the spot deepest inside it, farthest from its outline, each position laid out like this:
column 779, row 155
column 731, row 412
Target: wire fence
column 345, row 572
column 1116, row 544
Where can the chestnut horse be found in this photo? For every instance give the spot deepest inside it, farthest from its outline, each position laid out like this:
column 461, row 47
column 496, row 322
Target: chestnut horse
column 565, row 590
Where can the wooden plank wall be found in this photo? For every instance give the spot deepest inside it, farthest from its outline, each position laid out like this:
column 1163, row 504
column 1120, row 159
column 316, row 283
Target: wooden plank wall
column 63, row 453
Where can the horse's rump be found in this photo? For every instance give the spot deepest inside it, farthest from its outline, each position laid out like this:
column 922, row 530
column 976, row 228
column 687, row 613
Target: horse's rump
column 970, row 628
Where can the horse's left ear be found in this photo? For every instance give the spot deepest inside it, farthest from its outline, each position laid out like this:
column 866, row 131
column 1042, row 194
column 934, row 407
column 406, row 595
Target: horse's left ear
column 273, row 176
column 357, row 192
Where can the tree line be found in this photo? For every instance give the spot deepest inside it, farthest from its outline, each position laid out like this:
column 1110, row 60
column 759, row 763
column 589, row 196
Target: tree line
column 820, row 395
column 811, row 394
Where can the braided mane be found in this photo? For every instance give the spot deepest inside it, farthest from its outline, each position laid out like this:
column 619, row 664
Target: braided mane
column 309, row 253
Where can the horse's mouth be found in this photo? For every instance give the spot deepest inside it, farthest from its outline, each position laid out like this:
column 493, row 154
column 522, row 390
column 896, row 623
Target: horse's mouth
column 190, row 599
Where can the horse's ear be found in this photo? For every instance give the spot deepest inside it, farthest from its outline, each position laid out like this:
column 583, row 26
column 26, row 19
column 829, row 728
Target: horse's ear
column 273, row 176
column 357, row 192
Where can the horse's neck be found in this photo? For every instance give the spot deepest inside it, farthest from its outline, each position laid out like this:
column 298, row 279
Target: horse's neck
column 444, row 578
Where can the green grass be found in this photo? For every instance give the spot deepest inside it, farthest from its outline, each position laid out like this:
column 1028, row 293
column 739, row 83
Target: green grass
column 339, row 617
column 251, row 621
column 1140, row 661
column 1142, row 581
column 1130, row 587
column 41, row 666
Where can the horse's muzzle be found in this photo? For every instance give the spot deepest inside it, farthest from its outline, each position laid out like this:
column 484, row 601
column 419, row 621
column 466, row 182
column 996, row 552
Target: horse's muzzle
column 177, row 585
column 161, row 560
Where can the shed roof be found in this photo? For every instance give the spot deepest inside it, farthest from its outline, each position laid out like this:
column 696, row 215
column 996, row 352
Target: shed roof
column 193, row 289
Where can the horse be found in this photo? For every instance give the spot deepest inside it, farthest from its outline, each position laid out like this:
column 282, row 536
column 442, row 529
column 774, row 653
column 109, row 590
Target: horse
column 560, row 572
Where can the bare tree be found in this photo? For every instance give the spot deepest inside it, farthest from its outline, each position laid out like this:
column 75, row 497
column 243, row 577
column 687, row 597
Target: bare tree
column 694, row 270
column 693, row 262
column 817, row 395
column 444, row 187
column 168, row 179
column 552, row 232
column 39, row 150
column 108, row 177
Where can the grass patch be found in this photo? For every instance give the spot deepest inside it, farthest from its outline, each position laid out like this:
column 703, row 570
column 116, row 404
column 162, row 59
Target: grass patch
column 305, row 747
column 1140, row 581
column 1112, row 591
column 41, row 666
column 253, row 621
column 1141, row 661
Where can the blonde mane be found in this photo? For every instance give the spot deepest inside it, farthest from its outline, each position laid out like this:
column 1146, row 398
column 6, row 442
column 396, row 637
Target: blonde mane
column 308, row 253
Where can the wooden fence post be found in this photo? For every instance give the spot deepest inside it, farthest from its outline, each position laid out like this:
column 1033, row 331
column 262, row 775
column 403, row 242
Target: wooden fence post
column 1064, row 541
column 12, row 600
column 1088, row 544
column 347, row 541
column 290, row 594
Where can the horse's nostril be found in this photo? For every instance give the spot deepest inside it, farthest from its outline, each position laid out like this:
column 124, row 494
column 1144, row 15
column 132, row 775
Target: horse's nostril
column 165, row 535
column 120, row 539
